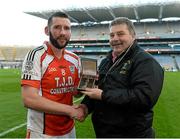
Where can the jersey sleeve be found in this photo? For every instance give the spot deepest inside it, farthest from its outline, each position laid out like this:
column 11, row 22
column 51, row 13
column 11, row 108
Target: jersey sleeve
column 31, row 70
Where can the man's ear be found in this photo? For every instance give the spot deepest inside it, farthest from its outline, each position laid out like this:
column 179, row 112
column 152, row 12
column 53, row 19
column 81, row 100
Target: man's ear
column 46, row 30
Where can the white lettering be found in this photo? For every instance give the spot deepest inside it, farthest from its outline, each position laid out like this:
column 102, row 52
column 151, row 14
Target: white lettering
column 62, row 90
column 70, row 81
column 57, row 81
column 64, row 81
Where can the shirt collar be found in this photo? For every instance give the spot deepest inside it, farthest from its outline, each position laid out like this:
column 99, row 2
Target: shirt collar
column 49, row 48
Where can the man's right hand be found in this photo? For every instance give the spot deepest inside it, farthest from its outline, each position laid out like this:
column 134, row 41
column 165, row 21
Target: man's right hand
column 81, row 112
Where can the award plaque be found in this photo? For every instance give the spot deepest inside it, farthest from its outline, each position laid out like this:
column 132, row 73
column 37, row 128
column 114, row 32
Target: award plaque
column 88, row 74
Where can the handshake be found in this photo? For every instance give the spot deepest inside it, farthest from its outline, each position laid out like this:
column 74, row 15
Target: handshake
column 79, row 112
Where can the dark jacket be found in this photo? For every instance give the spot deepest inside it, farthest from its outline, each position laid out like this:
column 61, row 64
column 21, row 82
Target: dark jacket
column 130, row 90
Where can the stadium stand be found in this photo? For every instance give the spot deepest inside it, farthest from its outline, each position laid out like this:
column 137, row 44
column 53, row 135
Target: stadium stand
column 144, row 30
column 90, row 33
column 178, row 60
column 1, row 55
column 12, row 56
column 166, row 61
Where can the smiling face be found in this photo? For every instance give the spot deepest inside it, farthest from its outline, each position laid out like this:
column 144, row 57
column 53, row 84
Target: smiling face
column 120, row 38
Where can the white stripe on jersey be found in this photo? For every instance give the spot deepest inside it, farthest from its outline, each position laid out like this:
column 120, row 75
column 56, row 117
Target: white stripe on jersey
column 72, row 60
column 71, row 53
column 45, row 63
column 31, row 69
column 39, row 120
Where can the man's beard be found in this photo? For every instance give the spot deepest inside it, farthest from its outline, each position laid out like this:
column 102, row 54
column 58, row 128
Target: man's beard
column 55, row 42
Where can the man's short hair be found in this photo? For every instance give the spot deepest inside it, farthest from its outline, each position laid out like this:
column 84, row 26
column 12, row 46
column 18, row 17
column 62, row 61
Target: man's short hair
column 57, row 14
column 124, row 20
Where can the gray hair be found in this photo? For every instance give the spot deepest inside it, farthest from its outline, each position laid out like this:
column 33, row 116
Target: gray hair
column 126, row 21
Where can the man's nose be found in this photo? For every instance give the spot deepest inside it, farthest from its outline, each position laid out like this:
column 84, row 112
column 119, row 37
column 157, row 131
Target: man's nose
column 62, row 31
column 115, row 37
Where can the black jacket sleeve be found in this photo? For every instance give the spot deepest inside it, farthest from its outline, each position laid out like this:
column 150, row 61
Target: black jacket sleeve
column 89, row 103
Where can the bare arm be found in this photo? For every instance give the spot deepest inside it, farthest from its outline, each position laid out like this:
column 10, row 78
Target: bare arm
column 32, row 100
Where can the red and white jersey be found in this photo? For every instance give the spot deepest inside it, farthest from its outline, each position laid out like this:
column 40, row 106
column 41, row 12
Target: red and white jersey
column 57, row 80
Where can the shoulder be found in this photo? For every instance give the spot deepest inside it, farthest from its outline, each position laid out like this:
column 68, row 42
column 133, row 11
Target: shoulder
column 144, row 57
column 36, row 52
column 104, row 62
column 142, row 54
column 72, row 58
column 71, row 54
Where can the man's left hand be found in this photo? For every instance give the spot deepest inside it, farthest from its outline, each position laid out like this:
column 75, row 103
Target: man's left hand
column 93, row 93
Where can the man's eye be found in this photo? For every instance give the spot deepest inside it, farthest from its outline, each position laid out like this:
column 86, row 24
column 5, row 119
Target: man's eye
column 67, row 28
column 57, row 27
column 111, row 35
column 120, row 34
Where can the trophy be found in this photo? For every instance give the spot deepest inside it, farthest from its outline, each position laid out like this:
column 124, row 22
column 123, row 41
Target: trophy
column 88, row 73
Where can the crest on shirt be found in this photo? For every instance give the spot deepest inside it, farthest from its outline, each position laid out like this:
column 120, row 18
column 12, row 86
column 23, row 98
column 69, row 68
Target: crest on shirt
column 72, row 69
column 29, row 65
column 124, row 68
column 63, row 72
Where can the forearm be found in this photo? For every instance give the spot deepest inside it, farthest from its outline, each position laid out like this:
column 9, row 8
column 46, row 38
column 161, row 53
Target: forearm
column 48, row 106
column 33, row 100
